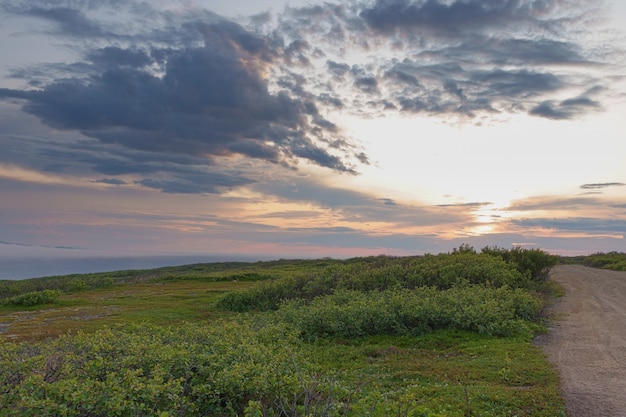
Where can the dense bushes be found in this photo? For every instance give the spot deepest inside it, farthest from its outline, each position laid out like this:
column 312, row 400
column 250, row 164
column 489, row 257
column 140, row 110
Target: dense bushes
column 348, row 314
column 534, row 262
column 191, row 370
column 66, row 284
column 615, row 261
column 494, row 267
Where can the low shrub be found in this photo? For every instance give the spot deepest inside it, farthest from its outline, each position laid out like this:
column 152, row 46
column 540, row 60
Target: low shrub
column 34, row 298
column 615, row 261
column 442, row 271
column 190, row 370
column 534, row 262
column 347, row 314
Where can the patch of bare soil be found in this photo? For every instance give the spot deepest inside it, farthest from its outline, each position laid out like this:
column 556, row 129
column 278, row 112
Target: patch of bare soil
column 587, row 342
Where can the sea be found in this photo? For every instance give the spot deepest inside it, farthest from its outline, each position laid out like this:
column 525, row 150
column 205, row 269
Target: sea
column 23, row 268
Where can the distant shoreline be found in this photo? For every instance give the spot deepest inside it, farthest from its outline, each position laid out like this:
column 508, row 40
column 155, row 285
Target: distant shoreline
column 25, row 268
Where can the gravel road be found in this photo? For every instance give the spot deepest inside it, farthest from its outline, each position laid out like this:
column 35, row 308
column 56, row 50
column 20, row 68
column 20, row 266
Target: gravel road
column 587, row 342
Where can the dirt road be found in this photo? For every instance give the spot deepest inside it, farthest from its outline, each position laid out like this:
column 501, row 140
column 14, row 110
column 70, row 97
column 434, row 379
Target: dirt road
column 587, row 342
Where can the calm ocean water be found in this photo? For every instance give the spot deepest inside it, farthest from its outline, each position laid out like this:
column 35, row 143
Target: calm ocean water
column 22, row 268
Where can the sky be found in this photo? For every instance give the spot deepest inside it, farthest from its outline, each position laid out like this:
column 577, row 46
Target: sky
column 309, row 129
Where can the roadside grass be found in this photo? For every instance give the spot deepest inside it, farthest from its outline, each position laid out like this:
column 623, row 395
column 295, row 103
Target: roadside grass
column 449, row 373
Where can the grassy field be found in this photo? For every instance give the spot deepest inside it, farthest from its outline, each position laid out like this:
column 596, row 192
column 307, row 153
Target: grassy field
column 157, row 303
column 76, row 356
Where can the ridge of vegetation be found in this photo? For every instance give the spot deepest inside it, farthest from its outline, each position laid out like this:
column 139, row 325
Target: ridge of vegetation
column 615, row 261
column 435, row 335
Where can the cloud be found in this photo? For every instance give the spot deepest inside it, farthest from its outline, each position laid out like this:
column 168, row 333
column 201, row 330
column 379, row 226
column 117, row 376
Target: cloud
column 542, row 203
column 191, row 183
column 292, row 214
column 470, row 205
column 209, row 96
column 582, row 224
column 602, row 185
column 111, row 181
column 74, row 159
column 323, row 229
column 35, row 246
column 566, row 109
column 458, row 19
column 358, row 207
column 388, row 202
column 461, row 58
column 186, row 101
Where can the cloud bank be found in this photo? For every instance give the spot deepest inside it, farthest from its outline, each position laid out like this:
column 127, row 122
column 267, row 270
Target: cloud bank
column 182, row 93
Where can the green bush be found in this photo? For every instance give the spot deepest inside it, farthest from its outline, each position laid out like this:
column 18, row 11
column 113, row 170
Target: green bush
column 381, row 273
column 615, row 261
column 34, row 298
column 76, row 285
column 447, row 270
column 191, row 370
column 534, row 262
column 348, row 314
column 70, row 283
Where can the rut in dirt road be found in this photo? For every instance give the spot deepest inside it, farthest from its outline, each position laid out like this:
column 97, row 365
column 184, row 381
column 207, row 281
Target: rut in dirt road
column 587, row 343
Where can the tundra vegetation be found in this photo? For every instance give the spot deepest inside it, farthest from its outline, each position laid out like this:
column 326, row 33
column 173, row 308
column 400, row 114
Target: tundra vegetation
column 433, row 335
column 615, row 261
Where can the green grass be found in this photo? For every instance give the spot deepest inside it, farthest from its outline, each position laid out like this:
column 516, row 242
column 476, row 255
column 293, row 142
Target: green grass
column 121, row 304
column 502, row 376
column 439, row 373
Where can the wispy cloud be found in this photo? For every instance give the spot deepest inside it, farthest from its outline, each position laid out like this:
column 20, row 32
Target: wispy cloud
column 602, row 185
column 36, row 246
column 590, row 226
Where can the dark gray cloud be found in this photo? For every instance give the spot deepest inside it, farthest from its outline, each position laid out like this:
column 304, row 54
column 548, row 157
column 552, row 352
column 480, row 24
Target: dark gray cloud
column 194, row 184
column 111, row 181
column 601, row 185
column 367, row 84
column 461, row 57
column 115, row 57
column 338, row 69
column 37, row 246
column 388, row 201
column 29, row 145
column 457, row 18
column 208, row 96
column 566, row 109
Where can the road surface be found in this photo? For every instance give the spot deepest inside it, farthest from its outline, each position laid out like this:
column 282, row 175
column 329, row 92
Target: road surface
column 587, row 341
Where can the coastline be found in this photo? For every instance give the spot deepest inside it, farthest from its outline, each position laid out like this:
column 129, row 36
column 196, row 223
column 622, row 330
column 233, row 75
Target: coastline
column 19, row 268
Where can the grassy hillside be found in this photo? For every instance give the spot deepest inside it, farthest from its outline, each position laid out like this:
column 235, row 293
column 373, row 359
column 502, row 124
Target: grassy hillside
column 445, row 335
